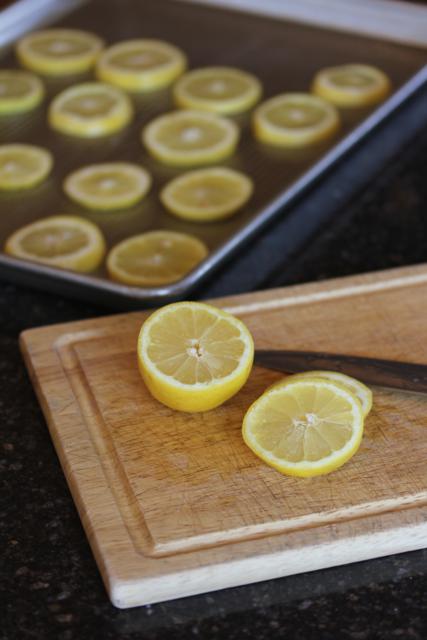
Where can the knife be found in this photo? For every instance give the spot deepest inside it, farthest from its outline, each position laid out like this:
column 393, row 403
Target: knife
column 385, row 373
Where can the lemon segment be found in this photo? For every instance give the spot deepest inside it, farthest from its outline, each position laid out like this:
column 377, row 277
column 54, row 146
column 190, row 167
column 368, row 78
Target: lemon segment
column 62, row 241
column 295, row 120
column 219, row 89
column 205, row 195
column 108, row 186
column 59, row 52
column 184, row 138
column 305, row 427
column 90, row 110
column 193, row 357
column 19, row 91
column 141, row 65
column 155, row 258
column 23, row 166
column 352, row 85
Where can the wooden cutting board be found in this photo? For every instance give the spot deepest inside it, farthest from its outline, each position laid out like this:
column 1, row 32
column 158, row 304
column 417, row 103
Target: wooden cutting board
column 175, row 504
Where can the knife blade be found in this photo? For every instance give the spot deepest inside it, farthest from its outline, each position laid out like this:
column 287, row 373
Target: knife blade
column 408, row 376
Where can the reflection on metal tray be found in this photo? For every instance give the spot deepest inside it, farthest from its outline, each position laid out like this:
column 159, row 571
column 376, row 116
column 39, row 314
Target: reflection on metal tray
column 283, row 55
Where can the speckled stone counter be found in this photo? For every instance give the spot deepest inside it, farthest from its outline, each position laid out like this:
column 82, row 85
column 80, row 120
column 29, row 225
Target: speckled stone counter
column 50, row 586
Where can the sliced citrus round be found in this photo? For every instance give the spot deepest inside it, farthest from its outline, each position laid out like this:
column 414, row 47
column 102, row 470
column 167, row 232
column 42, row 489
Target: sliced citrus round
column 19, row 91
column 69, row 242
column 112, row 185
column 23, row 166
column 141, row 65
column 190, row 138
column 305, row 427
column 194, row 357
column 219, row 89
column 360, row 390
column 59, row 51
column 90, row 110
column 205, row 195
column 155, row 258
column 295, row 120
column 352, row 85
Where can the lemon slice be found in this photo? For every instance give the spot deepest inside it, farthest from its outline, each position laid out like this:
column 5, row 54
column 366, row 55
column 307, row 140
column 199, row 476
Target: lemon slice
column 141, row 65
column 219, row 89
column 295, row 120
column 209, row 194
column 352, row 85
column 360, row 390
column 62, row 241
column 193, row 357
column 305, row 427
column 59, row 51
column 190, row 138
column 90, row 110
column 19, row 91
column 112, row 185
column 155, row 258
column 23, row 166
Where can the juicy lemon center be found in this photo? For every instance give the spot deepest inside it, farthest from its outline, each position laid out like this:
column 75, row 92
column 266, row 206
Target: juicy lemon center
column 90, row 105
column 295, row 115
column 60, row 48
column 211, row 191
column 54, row 241
column 17, row 165
column 135, row 60
column 351, row 79
column 107, row 183
column 190, row 136
column 217, row 88
column 13, row 87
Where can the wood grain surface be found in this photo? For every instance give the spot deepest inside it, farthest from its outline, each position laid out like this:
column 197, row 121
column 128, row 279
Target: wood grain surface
column 175, row 504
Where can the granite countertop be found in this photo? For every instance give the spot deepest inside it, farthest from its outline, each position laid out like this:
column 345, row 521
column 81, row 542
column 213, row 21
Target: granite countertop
column 50, row 586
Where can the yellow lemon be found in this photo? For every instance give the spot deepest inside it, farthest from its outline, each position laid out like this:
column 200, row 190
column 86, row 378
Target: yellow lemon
column 19, row 91
column 352, row 85
column 23, row 166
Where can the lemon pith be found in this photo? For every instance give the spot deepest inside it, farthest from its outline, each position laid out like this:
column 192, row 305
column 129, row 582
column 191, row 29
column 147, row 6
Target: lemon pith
column 352, row 85
column 20, row 91
column 23, row 166
column 193, row 357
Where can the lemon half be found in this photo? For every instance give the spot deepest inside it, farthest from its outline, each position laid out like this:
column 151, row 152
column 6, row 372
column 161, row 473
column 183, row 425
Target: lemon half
column 19, row 91
column 23, row 166
column 352, row 85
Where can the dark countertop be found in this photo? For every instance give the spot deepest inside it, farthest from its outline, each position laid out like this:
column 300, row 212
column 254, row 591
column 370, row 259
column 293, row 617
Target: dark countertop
column 50, row 586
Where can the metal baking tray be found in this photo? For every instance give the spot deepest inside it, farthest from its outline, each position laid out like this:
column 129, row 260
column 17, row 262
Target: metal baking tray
column 284, row 55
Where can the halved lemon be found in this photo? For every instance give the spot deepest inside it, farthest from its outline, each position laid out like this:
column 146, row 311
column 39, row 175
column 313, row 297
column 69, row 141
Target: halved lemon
column 90, row 110
column 62, row 241
column 112, row 185
column 295, row 120
column 193, row 357
column 219, row 89
column 19, row 91
column 305, row 427
column 352, row 85
column 23, row 166
column 141, row 65
column 190, row 138
column 205, row 195
column 59, row 51
column 155, row 258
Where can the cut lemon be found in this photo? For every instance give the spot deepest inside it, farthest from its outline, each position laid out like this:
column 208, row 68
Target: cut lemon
column 23, row 166
column 204, row 195
column 295, row 120
column 305, row 427
column 59, row 51
column 219, row 89
column 90, row 109
column 193, row 357
column 155, row 258
column 19, row 91
column 141, row 65
column 62, row 241
column 190, row 138
column 112, row 185
column 352, row 85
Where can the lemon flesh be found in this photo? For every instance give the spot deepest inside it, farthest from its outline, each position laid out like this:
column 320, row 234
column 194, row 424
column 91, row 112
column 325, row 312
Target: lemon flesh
column 352, row 85
column 108, row 186
column 90, row 109
column 59, row 52
column 305, row 427
column 141, row 65
column 62, row 241
column 19, row 91
column 23, row 166
column 295, row 120
column 219, row 89
column 193, row 357
column 155, row 258
column 186, row 138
